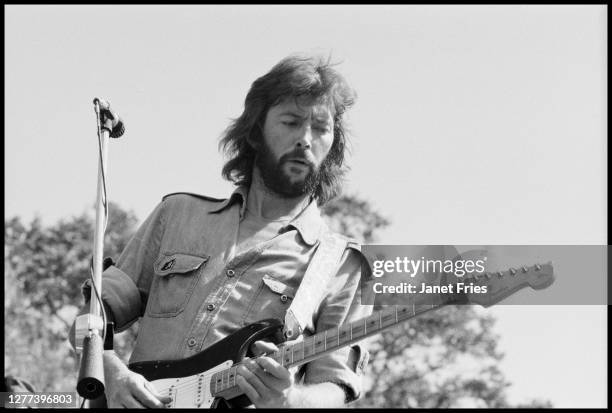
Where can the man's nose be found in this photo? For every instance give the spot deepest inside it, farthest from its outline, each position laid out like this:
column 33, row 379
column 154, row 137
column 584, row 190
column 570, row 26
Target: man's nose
column 305, row 138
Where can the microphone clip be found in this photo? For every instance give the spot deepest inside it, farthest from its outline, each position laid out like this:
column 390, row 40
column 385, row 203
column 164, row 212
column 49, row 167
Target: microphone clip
column 109, row 119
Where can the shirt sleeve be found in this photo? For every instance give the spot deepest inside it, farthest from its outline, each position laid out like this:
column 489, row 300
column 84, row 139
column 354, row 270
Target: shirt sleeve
column 125, row 285
column 344, row 367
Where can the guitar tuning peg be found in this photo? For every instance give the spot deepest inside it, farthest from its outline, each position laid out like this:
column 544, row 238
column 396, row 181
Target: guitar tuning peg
column 525, row 270
column 512, row 271
column 500, row 274
column 488, row 275
column 538, row 267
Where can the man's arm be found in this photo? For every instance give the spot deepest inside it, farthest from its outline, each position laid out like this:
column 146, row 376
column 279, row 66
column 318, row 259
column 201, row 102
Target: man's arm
column 268, row 384
column 341, row 306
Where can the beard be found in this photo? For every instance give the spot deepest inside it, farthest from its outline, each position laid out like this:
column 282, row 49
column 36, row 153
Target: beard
column 277, row 180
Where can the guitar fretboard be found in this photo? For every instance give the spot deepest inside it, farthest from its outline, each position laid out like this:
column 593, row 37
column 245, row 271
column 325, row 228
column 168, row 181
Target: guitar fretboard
column 320, row 344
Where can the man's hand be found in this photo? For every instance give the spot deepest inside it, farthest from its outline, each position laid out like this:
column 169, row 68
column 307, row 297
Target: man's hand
column 124, row 388
column 264, row 380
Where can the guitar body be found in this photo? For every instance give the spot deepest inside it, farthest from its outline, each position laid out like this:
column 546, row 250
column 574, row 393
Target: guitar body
column 170, row 377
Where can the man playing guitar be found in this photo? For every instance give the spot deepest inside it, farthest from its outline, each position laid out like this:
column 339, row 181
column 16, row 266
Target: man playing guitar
column 199, row 268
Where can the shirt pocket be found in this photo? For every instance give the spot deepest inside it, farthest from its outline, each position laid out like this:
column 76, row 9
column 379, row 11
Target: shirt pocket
column 176, row 276
column 272, row 300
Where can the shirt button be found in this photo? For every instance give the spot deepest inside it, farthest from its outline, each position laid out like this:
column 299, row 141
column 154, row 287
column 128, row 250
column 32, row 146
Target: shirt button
column 191, row 342
column 230, row 273
column 210, row 307
column 284, row 298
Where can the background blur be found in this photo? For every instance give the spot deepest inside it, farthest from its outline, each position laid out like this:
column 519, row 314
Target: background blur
column 474, row 125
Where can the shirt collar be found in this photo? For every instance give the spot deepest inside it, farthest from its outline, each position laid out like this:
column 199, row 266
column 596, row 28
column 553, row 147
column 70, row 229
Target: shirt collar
column 308, row 223
column 240, row 195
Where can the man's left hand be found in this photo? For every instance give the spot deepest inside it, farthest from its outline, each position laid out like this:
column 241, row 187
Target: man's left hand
column 264, row 380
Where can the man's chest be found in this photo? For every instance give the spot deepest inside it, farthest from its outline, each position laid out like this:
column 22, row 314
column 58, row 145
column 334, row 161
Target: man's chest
column 242, row 284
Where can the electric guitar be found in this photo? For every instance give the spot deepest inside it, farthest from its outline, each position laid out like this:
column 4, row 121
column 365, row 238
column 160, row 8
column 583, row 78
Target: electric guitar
column 208, row 379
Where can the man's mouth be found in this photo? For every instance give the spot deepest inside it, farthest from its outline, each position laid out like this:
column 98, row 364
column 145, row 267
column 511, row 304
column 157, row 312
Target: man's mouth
column 300, row 161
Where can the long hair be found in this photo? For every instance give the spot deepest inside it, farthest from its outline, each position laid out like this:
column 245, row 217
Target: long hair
column 300, row 77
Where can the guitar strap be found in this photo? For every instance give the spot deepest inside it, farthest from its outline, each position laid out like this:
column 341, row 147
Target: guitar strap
column 309, row 295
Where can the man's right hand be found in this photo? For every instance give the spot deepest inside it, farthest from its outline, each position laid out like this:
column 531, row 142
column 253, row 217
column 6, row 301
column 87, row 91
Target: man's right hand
column 124, row 388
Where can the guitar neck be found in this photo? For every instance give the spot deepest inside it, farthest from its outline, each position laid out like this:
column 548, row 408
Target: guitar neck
column 325, row 342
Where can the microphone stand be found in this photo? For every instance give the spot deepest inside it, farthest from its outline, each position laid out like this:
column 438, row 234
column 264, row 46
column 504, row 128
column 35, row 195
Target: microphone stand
column 89, row 336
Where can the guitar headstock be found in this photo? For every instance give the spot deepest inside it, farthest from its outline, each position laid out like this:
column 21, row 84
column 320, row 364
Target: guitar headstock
column 502, row 284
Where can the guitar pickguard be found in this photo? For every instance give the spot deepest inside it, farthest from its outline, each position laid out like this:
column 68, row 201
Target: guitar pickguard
column 191, row 392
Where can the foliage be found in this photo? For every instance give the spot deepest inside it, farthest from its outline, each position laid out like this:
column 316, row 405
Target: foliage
column 354, row 217
column 44, row 268
column 447, row 358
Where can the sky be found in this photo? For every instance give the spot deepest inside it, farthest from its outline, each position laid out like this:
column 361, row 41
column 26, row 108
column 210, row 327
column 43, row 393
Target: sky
column 473, row 125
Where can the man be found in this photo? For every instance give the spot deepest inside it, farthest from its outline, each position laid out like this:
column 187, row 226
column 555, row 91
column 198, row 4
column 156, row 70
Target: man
column 200, row 268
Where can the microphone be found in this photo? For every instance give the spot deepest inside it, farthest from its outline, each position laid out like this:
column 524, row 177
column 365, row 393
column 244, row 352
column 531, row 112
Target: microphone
column 109, row 119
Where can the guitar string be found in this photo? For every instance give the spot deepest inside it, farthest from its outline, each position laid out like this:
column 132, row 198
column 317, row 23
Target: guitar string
column 192, row 381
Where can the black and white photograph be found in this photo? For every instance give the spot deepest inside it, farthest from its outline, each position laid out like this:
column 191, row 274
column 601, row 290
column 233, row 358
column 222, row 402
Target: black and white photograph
column 294, row 206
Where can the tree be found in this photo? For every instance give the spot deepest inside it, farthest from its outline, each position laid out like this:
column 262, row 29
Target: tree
column 447, row 358
column 354, row 217
column 44, row 268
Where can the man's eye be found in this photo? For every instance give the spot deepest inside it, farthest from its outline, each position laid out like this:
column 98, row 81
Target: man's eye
column 291, row 124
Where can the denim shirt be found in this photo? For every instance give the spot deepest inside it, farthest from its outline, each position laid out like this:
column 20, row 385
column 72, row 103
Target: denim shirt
column 180, row 275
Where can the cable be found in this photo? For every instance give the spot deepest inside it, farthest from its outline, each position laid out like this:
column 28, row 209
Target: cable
column 99, row 298
column 99, row 131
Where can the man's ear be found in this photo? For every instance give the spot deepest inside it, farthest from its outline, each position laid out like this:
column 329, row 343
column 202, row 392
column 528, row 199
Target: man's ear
column 254, row 138
column 253, row 143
